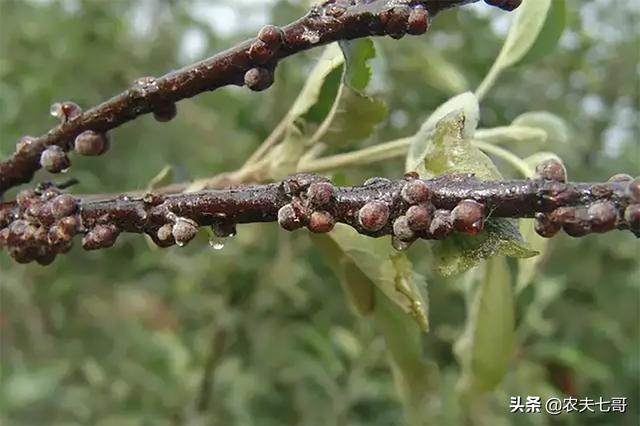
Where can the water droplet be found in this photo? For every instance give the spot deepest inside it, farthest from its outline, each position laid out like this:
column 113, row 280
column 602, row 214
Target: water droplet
column 55, row 110
column 224, row 229
column 216, row 243
column 180, row 243
column 398, row 244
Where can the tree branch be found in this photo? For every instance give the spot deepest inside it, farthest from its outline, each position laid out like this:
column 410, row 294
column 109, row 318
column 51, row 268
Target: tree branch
column 251, row 63
column 41, row 224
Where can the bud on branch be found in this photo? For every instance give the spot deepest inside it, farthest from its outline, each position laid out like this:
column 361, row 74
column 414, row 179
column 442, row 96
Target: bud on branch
column 40, row 225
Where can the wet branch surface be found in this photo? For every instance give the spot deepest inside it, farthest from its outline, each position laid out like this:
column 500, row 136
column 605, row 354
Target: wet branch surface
column 251, row 63
column 42, row 224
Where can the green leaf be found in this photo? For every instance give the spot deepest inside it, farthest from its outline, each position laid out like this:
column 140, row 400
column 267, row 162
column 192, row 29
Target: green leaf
column 380, row 281
column 448, row 150
column 358, row 260
column 357, row 54
column 555, row 127
column 550, row 34
column 358, row 288
column 529, row 21
column 284, row 157
column 461, row 252
column 488, row 341
column 330, row 60
column 354, row 118
column 415, row 377
column 512, row 134
column 440, row 73
column 466, row 103
column 331, row 105
column 353, row 115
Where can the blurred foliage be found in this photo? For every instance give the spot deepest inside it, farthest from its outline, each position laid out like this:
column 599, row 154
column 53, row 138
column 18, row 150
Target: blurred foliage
column 259, row 332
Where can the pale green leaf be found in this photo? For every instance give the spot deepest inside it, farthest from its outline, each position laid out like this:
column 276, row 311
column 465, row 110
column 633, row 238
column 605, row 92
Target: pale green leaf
column 529, row 21
column 330, row 60
column 355, row 118
column 512, row 134
column 487, row 344
column 285, row 156
column 381, row 281
column 550, row 34
column 353, row 115
column 450, row 151
column 358, row 288
column 358, row 257
column 461, row 252
column 447, row 151
column 357, row 54
column 415, row 377
column 466, row 103
column 555, row 127
column 441, row 73
column 526, row 28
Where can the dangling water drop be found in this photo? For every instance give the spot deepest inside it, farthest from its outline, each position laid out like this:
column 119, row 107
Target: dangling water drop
column 55, row 110
column 180, row 243
column 216, row 243
column 224, row 229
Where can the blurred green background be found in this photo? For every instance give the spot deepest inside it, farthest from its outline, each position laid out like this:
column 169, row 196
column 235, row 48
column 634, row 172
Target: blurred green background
column 259, row 332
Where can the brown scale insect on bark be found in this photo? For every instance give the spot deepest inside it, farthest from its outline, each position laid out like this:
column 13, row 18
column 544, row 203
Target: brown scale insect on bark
column 43, row 222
